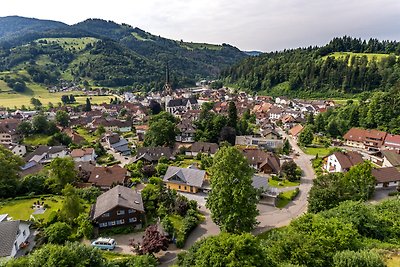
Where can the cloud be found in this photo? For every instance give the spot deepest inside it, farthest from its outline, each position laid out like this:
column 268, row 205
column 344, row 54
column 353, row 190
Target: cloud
column 253, row 24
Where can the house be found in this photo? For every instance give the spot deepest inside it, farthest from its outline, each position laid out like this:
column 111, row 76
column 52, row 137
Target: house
column 365, row 139
column 186, row 132
column 107, row 177
column 16, row 149
column 386, row 177
column 75, row 137
column 118, row 144
column 118, row 206
column 282, row 100
column 184, row 179
column 203, row 148
column 392, row 142
column 8, row 131
column 275, row 113
column 181, row 105
column 260, row 142
column 14, row 236
column 153, row 154
column 141, row 130
column 262, row 161
column 295, row 131
column 391, row 158
column 112, row 125
column 342, row 162
column 45, row 154
column 83, row 154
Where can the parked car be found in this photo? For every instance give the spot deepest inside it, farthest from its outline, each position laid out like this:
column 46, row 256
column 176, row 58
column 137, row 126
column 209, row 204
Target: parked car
column 104, row 243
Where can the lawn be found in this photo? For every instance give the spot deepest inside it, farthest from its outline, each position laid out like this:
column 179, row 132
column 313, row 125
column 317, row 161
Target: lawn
column 71, row 43
column 177, row 222
column 36, row 140
column 393, row 261
column 282, row 183
column 370, row 56
column 321, row 151
column 186, row 163
column 285, row 197
column 22, row 209
column 85, row 134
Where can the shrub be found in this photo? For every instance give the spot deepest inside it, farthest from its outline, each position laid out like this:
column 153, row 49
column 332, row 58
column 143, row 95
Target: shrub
column 58, row 232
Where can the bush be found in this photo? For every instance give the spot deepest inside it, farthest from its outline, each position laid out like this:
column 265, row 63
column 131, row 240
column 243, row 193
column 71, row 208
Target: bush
column 394, row 193
column 119, row 230
column 58, row 233
column 357, row 259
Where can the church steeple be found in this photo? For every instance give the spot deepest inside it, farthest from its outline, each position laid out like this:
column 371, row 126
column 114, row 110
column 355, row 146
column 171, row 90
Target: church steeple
column 167, row 86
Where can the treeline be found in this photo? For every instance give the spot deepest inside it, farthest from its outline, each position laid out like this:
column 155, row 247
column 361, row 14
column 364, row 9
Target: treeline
column 380, row 111
column 308, row 72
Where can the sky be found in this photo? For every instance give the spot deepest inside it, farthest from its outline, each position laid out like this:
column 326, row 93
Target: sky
column 263, row 25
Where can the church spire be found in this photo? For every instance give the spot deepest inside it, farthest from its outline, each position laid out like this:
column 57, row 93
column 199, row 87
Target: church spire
column 167, row 86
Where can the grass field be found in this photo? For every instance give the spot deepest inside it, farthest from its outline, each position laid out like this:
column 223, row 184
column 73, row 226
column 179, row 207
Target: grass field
column 393, row 261
column 370, row 56
column 71, row 43
column 321, row 151
column 285, row 198
column 192, row 46
column 37, row 139
column 281, row 184
column 22, row 209
column 85, row 134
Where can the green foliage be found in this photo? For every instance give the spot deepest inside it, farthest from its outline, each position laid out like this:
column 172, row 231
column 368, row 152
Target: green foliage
column 162, row 130
column 286, row 147
column 35, row 183
column 70, row 254
column 9, row 172
column 362, row 258
column 58, row 232
column 290, row 171
column 72, row 205
column 306, row 136
column 331, row 189
column 89, row 194
column 312, row 72
column 312, row 240
column 62, row 118
column 62, row 171
column 85, row 226
column 226, row 250
column 161, row 169
column 232, row 199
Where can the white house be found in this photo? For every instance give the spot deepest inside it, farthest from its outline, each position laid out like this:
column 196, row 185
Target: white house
column 14, row 235
column 386, row 177
column 16, row 149
column 44, row 154
column 83, row 155
column 342, row 162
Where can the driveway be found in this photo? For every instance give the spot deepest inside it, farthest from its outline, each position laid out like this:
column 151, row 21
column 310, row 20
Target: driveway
column 123, row 159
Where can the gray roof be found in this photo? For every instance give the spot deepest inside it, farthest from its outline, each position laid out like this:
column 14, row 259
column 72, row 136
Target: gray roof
column 8, row 234
column 45, row 149
column 181, row 102
column 392, row 156
column 260, row 182
column 118, row 196
column 191, row 177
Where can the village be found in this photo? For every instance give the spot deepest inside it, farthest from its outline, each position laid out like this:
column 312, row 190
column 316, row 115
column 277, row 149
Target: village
column 107, row 143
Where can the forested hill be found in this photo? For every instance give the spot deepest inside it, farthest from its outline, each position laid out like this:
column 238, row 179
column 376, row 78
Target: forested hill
column 344, row 66
column 107, row 54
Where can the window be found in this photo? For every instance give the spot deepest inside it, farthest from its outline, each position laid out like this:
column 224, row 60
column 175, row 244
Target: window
column 179, row 187
column 131, row 211
column 185, row 188
column 132, row 220
column 120, row 212
column 103, row 225
column 107, row 214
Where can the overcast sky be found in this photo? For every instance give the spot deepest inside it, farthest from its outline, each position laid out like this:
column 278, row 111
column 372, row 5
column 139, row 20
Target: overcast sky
column 248, row 24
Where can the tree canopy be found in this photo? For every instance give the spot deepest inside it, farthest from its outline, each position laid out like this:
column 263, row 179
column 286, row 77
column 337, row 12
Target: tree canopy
column 232, row 200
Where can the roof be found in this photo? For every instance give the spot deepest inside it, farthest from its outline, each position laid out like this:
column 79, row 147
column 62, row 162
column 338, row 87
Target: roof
column 30, row 168
column 154, row 153
column 191, row 177
column 8, row 234
column 3, row 217
column 386, row 175
column 362, row 135
column 296, row 130
column 107, row 176
column 81, row 152
column 204, row 147
column 118, row 196
column 349, row 159
column 45, row 150
column 259, row 182
column 181, row 102
column 392, row 156
column 272, row 161
column 392, row 140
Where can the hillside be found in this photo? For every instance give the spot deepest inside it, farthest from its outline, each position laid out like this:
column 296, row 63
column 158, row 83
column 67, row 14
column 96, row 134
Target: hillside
column 104, row 53
column 343, row 67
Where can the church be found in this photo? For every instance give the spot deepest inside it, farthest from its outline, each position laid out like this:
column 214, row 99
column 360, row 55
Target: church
column 177, row 106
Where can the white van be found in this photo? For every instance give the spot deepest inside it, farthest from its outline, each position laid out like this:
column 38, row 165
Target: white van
column 104, row 243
